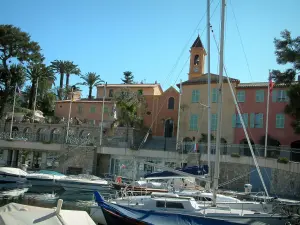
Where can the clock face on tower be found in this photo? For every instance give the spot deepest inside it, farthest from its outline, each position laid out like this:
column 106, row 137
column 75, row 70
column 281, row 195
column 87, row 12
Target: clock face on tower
column 196, row 69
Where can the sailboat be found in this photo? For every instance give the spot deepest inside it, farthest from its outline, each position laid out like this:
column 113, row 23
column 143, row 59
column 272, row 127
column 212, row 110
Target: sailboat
column 174, row 209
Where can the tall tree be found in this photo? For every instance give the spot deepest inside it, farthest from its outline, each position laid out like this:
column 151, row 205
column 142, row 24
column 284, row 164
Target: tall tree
column 91, row 80
column 15, row 45
column 128, row 77
column 130, row 105
column 58, row 66
column 38, row 72
column 70, row 68
column 288, row 52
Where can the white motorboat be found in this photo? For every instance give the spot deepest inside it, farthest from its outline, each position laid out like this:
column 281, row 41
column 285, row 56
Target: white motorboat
column 14, row 213
column 12, row 175
column 84, row 182
column 45, row 178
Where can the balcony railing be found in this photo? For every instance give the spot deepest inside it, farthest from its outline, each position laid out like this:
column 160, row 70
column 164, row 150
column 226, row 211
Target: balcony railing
column 235, row 150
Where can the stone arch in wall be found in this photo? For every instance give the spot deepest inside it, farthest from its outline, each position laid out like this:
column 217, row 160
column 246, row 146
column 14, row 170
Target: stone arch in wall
column 169, row 128
column 295, row 151
column 42, row 135
column 56, row 135
column 187, row 144
column 223, row 146
column 244, row 148
column 27, row 132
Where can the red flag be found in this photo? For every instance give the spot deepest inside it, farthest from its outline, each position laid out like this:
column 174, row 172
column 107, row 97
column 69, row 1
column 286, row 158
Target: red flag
column 271, row 83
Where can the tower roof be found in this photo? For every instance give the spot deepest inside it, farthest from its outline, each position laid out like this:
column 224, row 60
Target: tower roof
column 197, row 43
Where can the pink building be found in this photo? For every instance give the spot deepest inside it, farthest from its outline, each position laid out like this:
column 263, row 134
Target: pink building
column 252, row 99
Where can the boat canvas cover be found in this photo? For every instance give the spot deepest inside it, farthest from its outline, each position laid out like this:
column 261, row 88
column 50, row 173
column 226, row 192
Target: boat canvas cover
column 17, row 214
column 194, row 170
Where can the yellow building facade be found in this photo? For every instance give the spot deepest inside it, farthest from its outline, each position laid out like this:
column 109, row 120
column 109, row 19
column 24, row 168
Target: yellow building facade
column 193, row 112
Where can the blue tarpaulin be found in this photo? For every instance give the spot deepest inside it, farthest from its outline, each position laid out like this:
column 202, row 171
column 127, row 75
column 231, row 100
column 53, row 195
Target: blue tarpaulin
column 194, row 170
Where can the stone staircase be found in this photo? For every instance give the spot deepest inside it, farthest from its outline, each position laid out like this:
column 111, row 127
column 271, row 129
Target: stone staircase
column 158, row 143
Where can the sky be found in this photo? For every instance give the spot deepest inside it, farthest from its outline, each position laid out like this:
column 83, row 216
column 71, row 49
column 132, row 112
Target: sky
column 152, row 38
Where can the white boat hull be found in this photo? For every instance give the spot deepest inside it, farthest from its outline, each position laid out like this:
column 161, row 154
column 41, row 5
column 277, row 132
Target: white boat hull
column 43, row 182
column 72, row 186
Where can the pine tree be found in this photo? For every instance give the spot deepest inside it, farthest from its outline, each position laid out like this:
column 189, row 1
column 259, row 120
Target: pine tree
column 128, row 77
column 288, row 52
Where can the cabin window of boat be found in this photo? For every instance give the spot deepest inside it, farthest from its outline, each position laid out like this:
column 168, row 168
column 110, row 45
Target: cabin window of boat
column 173, row 205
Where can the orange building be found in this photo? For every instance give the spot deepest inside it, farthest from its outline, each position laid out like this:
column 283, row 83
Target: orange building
column 161, row 107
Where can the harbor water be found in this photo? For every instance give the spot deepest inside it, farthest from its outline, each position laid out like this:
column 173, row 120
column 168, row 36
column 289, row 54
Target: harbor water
column 44, row 196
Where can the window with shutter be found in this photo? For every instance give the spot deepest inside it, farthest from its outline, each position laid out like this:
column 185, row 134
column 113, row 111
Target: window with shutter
column 214, row 97
column 234, row 120
column 195, row 96
column 252, row 120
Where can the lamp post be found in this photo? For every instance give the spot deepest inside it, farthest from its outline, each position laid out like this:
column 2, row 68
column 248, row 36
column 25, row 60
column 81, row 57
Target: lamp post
column 102, row 115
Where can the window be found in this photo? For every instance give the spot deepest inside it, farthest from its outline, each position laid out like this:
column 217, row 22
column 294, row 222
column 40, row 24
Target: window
column 105, row 109
column 240, row 95
column 195, row 96
column 196, row 60
column 172, row 205
column 214, row 97
column 279, row 96
column 80, row 109
column 171, row 103
column 280, row 120
column 236, row 122
column 256, row 120
column 93, row 109
column 194, row 122
column 214, row 122
column 259, row 95
column 111, row 93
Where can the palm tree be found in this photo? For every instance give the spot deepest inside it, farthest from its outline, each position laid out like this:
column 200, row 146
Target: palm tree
column 70, row 68
column 91, row 80
column 35, row 72
column 58, row 66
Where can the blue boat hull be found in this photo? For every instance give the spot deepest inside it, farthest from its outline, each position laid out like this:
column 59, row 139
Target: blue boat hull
column 116, row 214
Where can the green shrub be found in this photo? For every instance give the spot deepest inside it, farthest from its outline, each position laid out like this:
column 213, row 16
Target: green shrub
column 236, row 155
column 283, row 160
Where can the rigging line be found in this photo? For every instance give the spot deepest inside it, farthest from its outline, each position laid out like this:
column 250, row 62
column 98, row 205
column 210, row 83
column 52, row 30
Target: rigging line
column 236, row 178
column 237, row 27
column 196, row 30
column 247, row 130
column 185, row 46
column 144, row 139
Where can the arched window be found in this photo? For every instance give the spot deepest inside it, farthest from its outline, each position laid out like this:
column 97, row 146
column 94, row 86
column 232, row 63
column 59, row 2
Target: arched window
column 196, row 60
column 111, row 93
column 171, row 103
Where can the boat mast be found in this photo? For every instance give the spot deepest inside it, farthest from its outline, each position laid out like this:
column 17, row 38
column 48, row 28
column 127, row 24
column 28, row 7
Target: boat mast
column 208, row 94
column 178, row 124
column 219, row 114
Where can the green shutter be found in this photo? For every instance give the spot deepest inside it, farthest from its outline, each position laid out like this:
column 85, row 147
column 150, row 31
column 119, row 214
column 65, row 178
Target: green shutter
column 233, row 120
column 245, row 118
column 195, row 96
column 198, row 96
column 214, row 95
column 283, row 120
column 274, row 96
column 252, row 118
column 261, row 120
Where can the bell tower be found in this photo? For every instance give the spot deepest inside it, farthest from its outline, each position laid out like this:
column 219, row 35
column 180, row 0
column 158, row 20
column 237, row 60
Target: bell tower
column 197, row 59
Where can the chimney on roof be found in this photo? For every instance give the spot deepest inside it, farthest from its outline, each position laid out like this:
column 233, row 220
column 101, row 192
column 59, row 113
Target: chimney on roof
column 155, row 82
